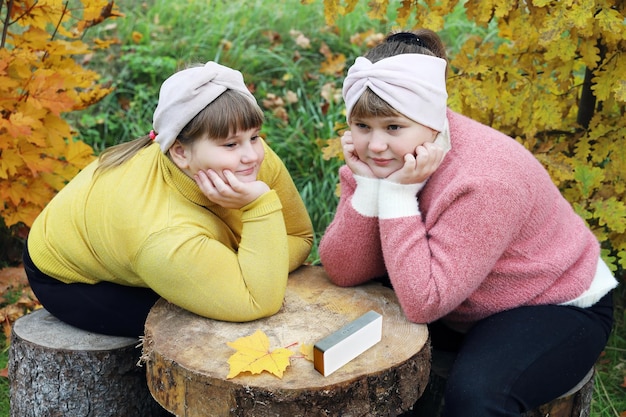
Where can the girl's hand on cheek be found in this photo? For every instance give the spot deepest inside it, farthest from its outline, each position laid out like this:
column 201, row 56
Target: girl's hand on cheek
column 353, row 161
column 228, row 191
column 417, row 168
column 205, row 183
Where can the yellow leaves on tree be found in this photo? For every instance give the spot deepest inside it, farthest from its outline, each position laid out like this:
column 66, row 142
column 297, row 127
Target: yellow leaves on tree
column 253, row 355
column 40, row 80
column 334, row 8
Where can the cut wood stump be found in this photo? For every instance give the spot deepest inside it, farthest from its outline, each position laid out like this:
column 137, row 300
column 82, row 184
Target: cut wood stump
column 574, row 403
column 57, row 370
column 187, row 357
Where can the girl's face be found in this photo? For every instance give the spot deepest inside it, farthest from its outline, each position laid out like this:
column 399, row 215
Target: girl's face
column 382, row 142
column 241, row 153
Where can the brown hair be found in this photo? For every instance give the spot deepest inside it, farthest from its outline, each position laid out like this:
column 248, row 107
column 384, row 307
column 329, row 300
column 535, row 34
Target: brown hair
column 232, row 111
column 420, row 41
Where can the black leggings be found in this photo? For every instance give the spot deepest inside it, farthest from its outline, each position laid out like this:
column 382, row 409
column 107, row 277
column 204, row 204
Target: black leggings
column 516, row 360
column 104, row 307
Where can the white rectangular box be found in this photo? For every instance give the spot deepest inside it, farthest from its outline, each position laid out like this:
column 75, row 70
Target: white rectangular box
column 340, row 347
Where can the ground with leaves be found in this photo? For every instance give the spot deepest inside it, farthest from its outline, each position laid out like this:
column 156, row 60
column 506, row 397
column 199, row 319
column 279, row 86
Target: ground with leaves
column 16, row 298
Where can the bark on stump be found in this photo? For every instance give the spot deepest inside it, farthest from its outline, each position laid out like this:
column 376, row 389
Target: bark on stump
column 56, row 370
column 186, row 357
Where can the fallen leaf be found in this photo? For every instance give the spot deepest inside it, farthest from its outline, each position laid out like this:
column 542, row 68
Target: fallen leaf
column 307, row 351
column 12, row 277
column 334, row 64
column 6, row 329
column 253, row 355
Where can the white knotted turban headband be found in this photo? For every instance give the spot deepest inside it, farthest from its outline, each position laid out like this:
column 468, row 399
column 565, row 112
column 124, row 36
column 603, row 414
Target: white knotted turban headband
column 186, row 93
column 413, row 84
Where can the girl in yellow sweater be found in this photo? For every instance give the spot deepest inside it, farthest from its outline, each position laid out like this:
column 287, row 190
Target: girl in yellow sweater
column 200, row 212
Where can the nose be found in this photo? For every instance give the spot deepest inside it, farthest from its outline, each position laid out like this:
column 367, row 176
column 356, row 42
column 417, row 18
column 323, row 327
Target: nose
column 377, row 143
column 249, row 153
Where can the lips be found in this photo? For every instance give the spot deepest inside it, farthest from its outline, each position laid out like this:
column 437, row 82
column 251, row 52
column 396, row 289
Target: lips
column 247, row 171
column 381, row 162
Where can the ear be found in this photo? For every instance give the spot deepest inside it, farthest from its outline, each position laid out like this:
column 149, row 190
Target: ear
column 179, row 155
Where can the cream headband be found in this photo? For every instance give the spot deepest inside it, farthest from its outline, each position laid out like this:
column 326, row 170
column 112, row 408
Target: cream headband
column 186, row 93
column 413, row 84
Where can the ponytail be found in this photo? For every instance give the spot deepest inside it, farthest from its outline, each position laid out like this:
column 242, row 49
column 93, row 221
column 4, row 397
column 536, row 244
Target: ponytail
column 118, row 154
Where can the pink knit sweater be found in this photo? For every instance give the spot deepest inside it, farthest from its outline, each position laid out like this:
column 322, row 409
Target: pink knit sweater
column 494, row 233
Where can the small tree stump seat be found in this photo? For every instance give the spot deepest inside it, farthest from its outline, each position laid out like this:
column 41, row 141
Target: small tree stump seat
column 574, row 403
column 57, row 370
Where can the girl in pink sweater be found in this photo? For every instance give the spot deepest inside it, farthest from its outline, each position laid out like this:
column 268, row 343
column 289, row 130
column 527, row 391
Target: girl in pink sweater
column 470, row 231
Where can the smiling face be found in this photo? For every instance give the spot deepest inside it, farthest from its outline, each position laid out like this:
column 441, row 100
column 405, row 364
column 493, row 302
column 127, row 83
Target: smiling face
column 382, row 142
column 241, row 153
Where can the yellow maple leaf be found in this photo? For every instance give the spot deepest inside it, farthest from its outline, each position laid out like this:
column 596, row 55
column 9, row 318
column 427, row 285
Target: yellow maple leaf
column 253, row 355
column 378, row 9
column 95, row 12
column 34, row 159
column 9, row 163
column 26, row 214
column 332, row 149
column 307, row 351
column 334, row 64
column 79, row 153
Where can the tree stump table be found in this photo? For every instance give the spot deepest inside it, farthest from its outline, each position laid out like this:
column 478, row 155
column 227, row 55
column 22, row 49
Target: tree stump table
column 186, row 357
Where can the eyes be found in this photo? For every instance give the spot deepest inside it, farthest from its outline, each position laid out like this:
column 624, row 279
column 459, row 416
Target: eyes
column 232, row 143
column 390, row 127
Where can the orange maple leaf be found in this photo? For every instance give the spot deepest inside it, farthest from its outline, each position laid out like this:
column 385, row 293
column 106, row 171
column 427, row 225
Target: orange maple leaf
column 253, row 355
column 48, row 91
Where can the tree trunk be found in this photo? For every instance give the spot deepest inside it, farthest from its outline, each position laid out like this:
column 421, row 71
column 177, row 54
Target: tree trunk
column 56, row 370
column 187, row 357
column 587, row 102
column 575, row 403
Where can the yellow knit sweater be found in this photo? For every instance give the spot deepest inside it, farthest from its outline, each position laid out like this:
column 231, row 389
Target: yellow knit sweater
column 147, row 224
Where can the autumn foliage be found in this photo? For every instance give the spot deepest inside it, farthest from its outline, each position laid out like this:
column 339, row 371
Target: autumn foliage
column 41, row 79
column 253, row 354
column 554, row 78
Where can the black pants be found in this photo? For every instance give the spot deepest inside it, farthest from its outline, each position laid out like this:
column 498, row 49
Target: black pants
column 104, row 307
column 516, row 360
